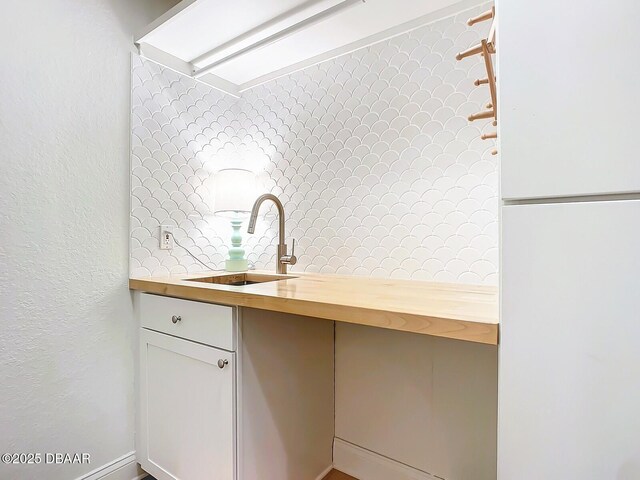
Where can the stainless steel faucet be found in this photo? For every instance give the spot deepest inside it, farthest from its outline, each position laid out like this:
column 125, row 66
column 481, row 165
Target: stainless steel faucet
column 282, row 259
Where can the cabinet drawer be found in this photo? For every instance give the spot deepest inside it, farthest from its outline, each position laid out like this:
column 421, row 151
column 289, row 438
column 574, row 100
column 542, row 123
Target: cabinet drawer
column 201, row 322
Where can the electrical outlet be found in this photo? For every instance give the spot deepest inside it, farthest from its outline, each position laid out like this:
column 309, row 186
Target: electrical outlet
column 166, row 237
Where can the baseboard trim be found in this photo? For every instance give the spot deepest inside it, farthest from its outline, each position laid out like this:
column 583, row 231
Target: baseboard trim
column 367, row 465
column 122, row 468
column 325, row 472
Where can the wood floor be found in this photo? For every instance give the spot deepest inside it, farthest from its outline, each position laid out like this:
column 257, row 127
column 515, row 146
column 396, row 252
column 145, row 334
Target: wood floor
column 336, row 475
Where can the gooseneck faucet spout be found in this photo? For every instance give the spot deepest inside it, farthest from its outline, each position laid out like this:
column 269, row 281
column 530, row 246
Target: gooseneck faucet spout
column 282, row 259
column 256, row 209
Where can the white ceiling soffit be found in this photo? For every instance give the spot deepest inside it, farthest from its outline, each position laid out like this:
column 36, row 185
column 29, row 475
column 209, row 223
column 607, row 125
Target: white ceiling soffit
column 235, row 45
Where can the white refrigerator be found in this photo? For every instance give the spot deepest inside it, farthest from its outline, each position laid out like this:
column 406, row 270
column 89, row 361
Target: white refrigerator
column 569, row 354
column 569, row 358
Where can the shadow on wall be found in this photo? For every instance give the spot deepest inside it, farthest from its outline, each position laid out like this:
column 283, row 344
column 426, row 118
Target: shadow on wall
column 434, row 400
column 629, row 471
column 122, row 10
column 288, row 396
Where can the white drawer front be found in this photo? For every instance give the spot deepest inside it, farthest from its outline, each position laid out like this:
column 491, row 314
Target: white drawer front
column 201, row 322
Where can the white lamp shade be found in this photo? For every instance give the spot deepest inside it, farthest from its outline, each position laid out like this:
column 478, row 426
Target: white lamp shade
column 235, row 192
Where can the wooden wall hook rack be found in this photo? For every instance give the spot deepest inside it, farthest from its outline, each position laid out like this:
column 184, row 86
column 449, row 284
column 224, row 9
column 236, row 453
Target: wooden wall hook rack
column 470, row 52
column 488, row 63
column 488, row 15
column 485, row 49
column 481, row 115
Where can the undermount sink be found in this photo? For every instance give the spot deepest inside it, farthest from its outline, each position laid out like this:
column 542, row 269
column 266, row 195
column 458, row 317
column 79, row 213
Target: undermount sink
column 240, row 279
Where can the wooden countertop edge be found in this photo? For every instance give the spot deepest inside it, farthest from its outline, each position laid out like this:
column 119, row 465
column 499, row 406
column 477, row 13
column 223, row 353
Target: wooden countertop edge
column 470, row 331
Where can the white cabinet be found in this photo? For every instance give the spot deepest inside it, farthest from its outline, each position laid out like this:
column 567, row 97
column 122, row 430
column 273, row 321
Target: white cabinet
column 569, row 373
column 187, row 409
column 568, row 97
column 233, row 394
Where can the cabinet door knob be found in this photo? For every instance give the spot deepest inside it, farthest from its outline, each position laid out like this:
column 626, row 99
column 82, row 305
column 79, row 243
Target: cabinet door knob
column 176, row 319
column 222, row 363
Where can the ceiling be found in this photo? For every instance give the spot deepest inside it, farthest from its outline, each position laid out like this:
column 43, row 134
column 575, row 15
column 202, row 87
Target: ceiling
column 196, row 33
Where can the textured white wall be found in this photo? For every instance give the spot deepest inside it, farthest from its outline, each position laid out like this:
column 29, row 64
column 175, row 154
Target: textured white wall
column 66, row 327
column 380, row 172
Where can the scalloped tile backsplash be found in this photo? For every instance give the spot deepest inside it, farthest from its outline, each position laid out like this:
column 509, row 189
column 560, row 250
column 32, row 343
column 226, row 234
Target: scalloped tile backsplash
column 371, row 154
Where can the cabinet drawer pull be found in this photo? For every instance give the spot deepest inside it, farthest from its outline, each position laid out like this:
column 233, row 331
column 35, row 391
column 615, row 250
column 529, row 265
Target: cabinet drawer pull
column 222, row 363
column 176, row 319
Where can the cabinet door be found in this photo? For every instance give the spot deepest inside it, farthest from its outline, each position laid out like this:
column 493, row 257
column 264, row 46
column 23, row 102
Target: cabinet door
column 569, row 371
column 568, row 85
column 187, row 409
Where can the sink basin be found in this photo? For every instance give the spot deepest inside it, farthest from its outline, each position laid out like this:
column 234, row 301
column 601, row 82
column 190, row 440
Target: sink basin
column 240, row 279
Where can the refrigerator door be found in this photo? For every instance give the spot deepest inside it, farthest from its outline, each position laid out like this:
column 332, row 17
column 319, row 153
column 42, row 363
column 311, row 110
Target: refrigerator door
column 568, row 85
column 569, row 368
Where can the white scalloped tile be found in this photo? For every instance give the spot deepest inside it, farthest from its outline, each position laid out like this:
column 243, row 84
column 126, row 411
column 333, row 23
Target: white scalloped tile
column 371, row 153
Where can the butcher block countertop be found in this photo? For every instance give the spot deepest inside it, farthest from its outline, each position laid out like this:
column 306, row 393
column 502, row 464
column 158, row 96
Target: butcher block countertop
column 462, row 312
